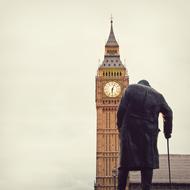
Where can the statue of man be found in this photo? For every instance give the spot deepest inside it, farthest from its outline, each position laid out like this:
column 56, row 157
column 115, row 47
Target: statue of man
column 137, row 122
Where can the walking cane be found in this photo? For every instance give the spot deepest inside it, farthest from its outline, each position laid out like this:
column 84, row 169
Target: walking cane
column 169, row 163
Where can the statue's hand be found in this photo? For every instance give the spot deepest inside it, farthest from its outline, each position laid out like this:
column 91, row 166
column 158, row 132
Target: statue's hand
column 167, row 135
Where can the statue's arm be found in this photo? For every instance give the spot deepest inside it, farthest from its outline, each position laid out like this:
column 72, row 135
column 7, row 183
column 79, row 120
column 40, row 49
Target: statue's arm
column 120, row 115
column 122, row 109
column 167, row 117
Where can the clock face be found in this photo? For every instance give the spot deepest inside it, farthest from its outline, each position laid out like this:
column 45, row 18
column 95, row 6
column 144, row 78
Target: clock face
column 112, row 89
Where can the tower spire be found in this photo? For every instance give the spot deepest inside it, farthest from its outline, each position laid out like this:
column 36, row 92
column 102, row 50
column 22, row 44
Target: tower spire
column 111, row 19
column 111, row 39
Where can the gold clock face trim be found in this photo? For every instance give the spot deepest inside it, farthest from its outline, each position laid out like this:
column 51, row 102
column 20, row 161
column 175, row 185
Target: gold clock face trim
column 112, row 89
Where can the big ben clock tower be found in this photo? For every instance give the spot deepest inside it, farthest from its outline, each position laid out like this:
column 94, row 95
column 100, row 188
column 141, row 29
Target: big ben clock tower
column 111, row 80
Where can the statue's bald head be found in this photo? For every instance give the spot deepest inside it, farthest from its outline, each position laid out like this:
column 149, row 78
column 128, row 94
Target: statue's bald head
column 144, row 82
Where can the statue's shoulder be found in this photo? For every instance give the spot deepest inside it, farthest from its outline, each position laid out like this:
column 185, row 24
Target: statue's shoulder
column 133, row 88
column 136, row 87
column 155, row 91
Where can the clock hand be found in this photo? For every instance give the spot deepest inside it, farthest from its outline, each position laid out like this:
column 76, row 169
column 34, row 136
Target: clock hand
column 112, row 89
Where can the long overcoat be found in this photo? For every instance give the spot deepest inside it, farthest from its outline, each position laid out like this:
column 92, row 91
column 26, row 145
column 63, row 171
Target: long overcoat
column 137, row 122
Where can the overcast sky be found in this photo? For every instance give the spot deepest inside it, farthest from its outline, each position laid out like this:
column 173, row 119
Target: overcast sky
column 49, row 52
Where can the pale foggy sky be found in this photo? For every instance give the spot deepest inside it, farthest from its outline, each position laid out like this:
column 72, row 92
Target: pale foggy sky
column 49, row 53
